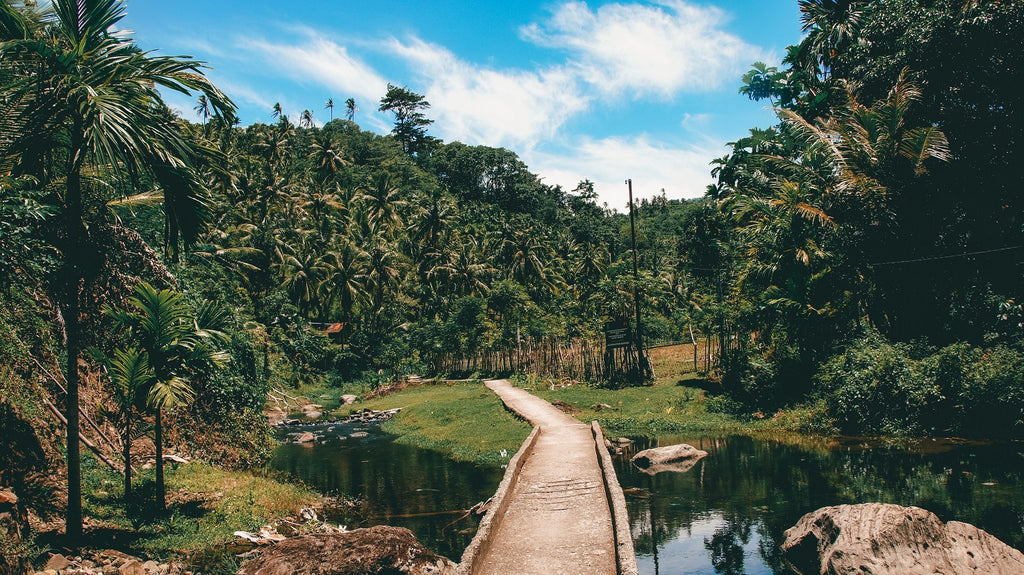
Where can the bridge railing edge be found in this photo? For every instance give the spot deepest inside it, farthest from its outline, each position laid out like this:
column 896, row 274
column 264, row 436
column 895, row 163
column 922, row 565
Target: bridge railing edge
column 499, row 504
column 625, row 555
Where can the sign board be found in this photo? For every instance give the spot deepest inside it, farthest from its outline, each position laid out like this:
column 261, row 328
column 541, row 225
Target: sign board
column 617, row 334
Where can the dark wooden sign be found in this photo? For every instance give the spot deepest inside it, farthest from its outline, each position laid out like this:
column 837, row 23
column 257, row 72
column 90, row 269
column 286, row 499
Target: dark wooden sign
column 617, row 334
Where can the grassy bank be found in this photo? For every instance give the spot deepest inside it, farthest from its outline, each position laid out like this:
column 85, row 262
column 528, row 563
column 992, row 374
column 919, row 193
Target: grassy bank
column 205, row 506
column 464, row 420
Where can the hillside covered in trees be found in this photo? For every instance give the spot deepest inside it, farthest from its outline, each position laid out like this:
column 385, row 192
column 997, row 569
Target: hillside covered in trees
column 861, row 259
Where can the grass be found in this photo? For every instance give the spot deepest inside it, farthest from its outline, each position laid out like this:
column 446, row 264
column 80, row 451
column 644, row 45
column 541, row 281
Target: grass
column 464, row 420
column 205, row 506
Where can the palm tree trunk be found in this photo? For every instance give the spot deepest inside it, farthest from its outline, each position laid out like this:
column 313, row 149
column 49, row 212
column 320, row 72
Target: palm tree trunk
column 161, row 491
column 72, row 326
column 126, row 453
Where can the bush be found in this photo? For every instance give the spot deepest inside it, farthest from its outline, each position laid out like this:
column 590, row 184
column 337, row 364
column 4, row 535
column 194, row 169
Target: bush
column 879, row 387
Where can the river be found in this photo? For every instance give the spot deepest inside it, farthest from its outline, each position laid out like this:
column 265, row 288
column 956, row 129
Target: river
column 725, row 516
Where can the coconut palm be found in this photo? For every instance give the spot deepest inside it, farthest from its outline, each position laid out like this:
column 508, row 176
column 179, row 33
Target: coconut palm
column 306, row 119
column 350, row 109
column 330, row 106
column 93, row 95
column 345, row 280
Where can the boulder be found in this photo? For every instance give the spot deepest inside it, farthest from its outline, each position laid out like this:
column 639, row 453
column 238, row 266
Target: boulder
column 56, row 562
column 348, row 399
column 371, row 551
column 679, row 458
column 306, row 437
column 886, row 539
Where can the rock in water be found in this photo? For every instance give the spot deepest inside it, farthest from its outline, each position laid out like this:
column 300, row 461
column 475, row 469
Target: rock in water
column 679, row 458
column 885, row 539
column 371, row 551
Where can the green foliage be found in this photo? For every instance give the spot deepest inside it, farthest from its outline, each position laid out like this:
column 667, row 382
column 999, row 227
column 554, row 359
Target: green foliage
column 879, row 387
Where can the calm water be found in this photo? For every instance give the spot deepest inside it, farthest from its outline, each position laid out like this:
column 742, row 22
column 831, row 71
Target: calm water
column 728, row 513
column 394, row 485
column 725, row 516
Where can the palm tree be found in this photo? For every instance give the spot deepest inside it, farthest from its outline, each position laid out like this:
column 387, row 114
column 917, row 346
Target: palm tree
column 346, row 279
column 94, row 95
column 203, row 108
column 350, row 109
column 330, row 106
column 382, row 200
column 276, row 112
column 130, row 375
column 306, row 119
column 177, row 339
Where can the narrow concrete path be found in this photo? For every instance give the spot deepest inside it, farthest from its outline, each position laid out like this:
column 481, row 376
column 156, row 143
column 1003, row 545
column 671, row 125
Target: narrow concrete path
column 558, row 521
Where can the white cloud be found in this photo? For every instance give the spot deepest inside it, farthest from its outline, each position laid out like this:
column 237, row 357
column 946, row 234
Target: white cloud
column 324, row 62
column 484, row 106
column 642, row 49
column 683, row 172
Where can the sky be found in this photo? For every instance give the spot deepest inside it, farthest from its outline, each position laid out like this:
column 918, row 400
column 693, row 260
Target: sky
column 605, row 91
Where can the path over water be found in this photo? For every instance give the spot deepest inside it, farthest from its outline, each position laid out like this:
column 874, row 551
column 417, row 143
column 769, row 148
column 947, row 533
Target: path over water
column 557, row 519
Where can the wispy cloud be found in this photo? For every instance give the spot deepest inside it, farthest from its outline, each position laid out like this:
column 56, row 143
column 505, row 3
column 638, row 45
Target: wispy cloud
column 495, row 107
column 642, row 49
column 683, row 172
column 320, row 60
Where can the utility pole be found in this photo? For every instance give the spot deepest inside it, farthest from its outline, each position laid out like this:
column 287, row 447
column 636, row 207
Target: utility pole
column 641, row 359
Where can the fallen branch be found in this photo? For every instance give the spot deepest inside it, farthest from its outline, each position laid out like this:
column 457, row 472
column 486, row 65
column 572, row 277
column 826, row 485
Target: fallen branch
column 85, row 440
column 85, row 416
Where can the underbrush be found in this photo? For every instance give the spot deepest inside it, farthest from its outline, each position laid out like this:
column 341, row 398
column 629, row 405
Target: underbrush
column 205, row 506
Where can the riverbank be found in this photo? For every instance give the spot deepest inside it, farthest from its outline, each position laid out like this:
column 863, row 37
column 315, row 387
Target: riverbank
column 462, row 419
column 205, row 506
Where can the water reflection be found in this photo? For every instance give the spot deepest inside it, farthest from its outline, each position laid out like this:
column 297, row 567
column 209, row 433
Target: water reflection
column 395, row 485
column 728, row 513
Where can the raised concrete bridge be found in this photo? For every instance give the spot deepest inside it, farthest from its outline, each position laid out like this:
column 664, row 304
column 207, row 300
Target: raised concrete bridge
column 559, row 509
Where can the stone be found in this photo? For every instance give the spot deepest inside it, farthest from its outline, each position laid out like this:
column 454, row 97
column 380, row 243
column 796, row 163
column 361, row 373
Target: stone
column 371, row 551
column 131, row 567
column 150, row 567
column 602, row 406
column 565, row 407
column 7, row 499
column 306, row 437
column 348, row 399
column 56, row 563
column 109, row 570
column 313, row 414
column 358, row 435
column 887, row 539
column 678, row 458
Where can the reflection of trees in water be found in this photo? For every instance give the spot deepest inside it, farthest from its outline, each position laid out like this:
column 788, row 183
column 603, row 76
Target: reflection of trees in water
column 726, row 545
column 761, row 488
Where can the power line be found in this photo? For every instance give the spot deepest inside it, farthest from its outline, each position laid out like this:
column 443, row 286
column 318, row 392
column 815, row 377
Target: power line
column 946, row 257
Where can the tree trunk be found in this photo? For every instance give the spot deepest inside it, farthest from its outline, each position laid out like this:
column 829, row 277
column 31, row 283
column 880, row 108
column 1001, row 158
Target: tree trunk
column 126, row 453
column 161, row 490
column 73, row 274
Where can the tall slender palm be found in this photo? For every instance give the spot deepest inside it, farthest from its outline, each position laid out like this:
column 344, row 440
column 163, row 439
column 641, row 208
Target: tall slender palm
column 350, row 109
column 202, row 108
column 330, row 106
column 93, row 94
column 306, row 119
column 176, row 338
column 345, row 281
column 130, row 375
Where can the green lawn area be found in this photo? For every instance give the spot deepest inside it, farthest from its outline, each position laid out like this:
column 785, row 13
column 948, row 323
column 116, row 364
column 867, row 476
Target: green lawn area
column 465, row 420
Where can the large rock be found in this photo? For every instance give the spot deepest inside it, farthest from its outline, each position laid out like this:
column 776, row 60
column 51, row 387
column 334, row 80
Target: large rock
column 372, row 551
column 679, row 458
column 880, row 538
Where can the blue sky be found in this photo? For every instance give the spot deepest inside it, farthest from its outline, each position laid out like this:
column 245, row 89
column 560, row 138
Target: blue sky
column 597, row 90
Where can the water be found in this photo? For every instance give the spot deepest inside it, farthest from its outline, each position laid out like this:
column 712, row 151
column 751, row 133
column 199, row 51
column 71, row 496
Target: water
column 393, row 484
column 727, row 514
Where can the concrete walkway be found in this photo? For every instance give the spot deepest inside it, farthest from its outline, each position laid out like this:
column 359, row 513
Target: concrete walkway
column 558, row 520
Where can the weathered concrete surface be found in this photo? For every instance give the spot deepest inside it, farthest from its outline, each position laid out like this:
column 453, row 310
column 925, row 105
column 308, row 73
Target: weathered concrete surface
column 678, row 458
column 557, row 519
column 886, row 539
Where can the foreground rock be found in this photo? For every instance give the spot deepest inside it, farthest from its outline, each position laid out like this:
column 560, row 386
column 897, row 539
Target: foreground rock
column 679, row 458
column 108, row 562
column 879, row 539
column 372, row 551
